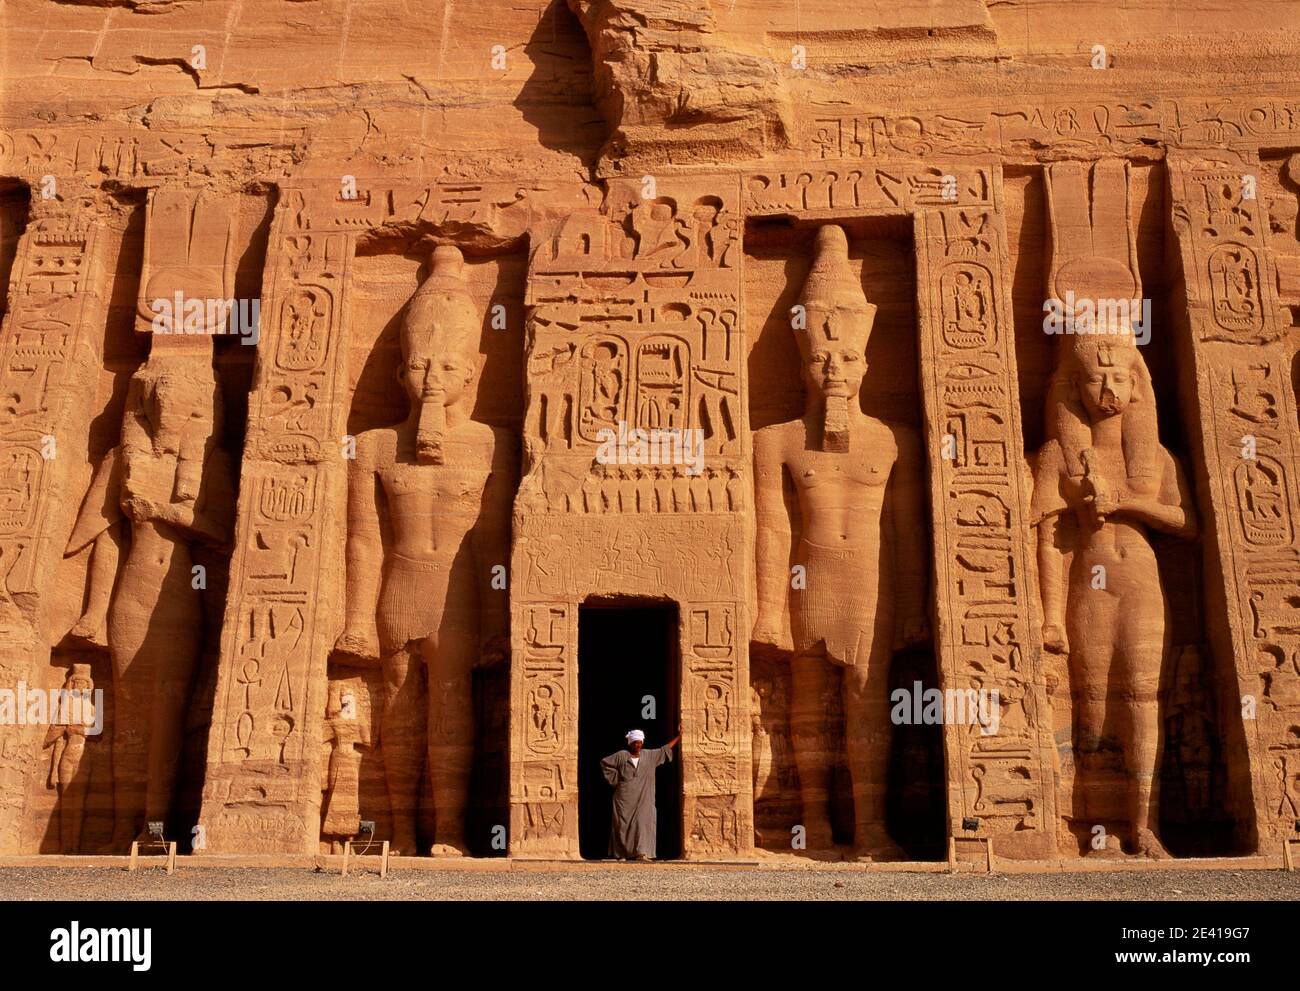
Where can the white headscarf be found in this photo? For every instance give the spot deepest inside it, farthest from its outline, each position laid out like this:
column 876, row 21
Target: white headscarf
column 635, row 734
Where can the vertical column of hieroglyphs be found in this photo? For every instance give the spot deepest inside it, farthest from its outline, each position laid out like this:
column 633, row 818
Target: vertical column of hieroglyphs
column 1251, row 454
column 264, row 752
column 634, row 324
column 987, row 628
column 49, row 352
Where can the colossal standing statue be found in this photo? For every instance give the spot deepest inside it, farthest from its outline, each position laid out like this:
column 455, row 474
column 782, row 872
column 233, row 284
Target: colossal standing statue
column 426, row 597
column 1102, row 481
column 166, row 488
column 857, row 532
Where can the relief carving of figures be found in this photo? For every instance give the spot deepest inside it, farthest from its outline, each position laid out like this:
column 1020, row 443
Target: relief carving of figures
column 857, row 535
column 420, row 589
column 162, row 495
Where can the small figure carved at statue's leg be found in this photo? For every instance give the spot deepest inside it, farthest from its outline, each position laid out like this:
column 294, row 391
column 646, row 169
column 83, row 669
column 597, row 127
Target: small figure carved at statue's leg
column 68, row 738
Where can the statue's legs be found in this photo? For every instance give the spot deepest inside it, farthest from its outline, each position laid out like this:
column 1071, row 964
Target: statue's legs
column 867, row 731
column 810, row 675
column 402, row 744
column 175, row 643
column 155, row 627
column 450, row 659
column 101, row 575
column 1143, row 641
column 1091, row 626
column 73, row 785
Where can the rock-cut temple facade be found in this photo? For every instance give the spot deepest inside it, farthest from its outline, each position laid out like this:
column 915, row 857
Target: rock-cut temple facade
column 401, row 402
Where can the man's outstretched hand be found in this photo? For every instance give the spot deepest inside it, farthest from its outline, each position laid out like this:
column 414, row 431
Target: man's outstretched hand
column 678, row 738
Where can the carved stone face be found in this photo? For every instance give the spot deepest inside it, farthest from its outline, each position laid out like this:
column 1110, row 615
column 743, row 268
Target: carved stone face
column 431, row 378
column 836, row 363
column 1104, row 378
column 168, row 402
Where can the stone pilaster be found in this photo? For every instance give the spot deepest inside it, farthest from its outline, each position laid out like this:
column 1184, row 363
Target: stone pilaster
column 263, row 793
column 987, row 627
column 1250, row 451
column 50, row 355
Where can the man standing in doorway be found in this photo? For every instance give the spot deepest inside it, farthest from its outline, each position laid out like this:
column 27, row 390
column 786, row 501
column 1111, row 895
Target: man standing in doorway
column 632, row 774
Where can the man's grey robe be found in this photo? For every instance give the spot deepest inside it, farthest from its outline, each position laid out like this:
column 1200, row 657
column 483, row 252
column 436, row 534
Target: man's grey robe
column 632, row 829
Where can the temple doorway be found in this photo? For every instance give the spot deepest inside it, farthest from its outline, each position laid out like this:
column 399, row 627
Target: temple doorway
column 628, row 677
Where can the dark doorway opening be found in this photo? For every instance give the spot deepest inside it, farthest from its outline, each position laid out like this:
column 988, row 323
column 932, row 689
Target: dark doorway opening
column 627, row 651
column 916, row 811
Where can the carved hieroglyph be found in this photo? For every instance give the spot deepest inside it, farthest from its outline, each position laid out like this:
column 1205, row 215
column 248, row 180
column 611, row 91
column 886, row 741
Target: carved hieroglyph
column 1251, row 450
column 987, row 625
column 262, row 790
column 856, row 589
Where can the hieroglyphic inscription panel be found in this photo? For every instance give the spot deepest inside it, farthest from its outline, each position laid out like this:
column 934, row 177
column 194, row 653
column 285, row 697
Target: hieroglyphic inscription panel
column 987, row 626
column 1247, row 404
column 263, row 783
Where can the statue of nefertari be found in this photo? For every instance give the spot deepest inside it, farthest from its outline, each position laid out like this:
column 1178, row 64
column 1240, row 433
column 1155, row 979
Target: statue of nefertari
column 1102, row 483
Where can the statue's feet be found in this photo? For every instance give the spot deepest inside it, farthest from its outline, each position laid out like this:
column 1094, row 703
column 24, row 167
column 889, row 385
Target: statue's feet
column 449, row 850
column 1110, row 850
column 1145, row 844
column 403, row 845
column 873, row 845
column 120, row 844
column 91, row 632
column 817, row 839
column 1055, row 640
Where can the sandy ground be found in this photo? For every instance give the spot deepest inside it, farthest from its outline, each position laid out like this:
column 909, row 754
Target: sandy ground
column 640, row 882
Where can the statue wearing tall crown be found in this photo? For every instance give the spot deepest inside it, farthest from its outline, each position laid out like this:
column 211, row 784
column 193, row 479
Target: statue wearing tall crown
column 428, row 522
column 848, row 560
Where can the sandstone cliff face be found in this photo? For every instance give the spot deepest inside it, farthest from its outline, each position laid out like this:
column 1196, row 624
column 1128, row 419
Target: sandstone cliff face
column 662, row 66
column 397, row 396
